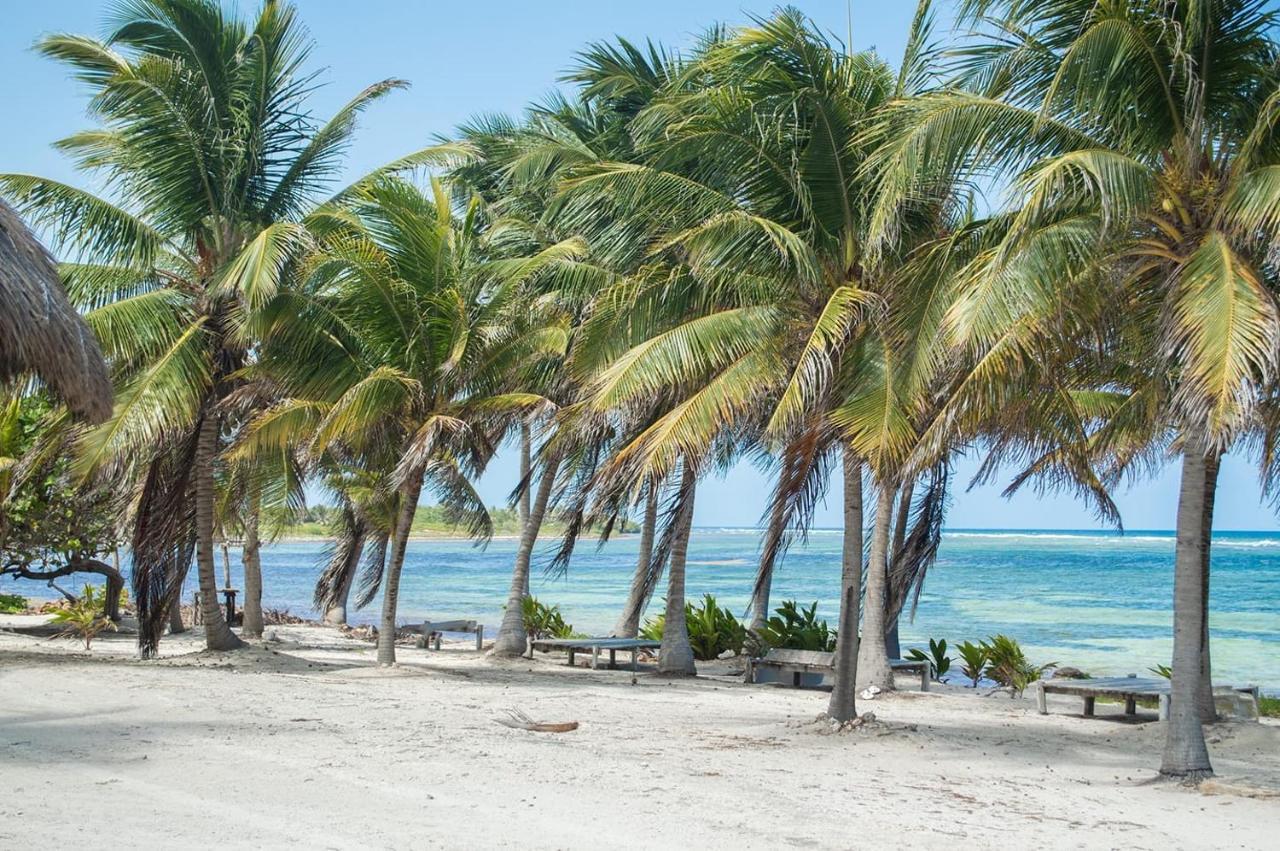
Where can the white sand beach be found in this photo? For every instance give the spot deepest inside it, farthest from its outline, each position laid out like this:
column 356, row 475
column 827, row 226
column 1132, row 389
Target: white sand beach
column 304, row 742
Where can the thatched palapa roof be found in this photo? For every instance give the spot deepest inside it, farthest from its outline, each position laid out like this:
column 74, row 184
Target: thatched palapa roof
column 40, row 331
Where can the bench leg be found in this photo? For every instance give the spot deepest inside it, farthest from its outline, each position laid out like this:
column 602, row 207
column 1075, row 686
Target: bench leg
column 1042, row 701
column 635, row 661
column 924, row 678
column 479, row 638
column 1088, row 706
column 437, row 641
column 751, row 672
column 795, row 680
column 1164, row 707
column 595, row 658
column 613, row 658
column 570, row 657
column 1130, row 706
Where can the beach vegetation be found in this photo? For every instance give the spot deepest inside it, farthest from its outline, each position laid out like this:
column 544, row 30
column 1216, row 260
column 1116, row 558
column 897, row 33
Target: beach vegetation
column 1269, row 707
column 1008, row 665
column 975, row 659
column 939, row 661
column 796, row 627
column 12, row 604
column 713, row 629
column 85, row 617
column 543, row 621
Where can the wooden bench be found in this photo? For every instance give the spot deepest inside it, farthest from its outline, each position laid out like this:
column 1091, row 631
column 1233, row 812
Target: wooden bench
column 1129, row 689
column 432, row 629
column 595, row 645
column 800, row 662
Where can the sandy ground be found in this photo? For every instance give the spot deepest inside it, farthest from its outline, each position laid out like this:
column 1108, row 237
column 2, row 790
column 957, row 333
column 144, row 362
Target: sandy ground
column 304, row 742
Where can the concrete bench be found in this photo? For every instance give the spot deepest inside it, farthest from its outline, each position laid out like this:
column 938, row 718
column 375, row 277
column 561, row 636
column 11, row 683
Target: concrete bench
column 595, row 645
column 1128, row 689
column 801, row 662
column 431, row 631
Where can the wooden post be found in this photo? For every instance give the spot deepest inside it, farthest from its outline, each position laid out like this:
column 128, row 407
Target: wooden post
column 1088, row 706
column 1130, row 705
column 1164, row 707
column 1042, row 701
column 595, row 658
column 613, row 658
column 751, row 671
column 479, row 637
column 924, row 676
column 570, row 657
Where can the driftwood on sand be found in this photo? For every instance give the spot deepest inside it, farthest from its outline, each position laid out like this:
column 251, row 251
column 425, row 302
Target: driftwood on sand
column 521, row 721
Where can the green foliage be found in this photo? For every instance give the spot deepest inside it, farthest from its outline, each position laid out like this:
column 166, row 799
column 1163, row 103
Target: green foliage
column 543, row 621
column 1269, row 707
column 975, row 658
column 1162, row 671
column 937, row 657
column 713, row 629
column 12, row 604
column 86, row 617
column 796, row 628
column 1009, row 665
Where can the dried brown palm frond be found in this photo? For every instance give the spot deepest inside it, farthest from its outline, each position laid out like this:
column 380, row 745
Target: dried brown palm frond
column 40, row 332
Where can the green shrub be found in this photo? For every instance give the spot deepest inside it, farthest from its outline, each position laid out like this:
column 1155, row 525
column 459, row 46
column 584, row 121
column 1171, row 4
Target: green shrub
column 797, row 628
column 937, row 657
column 12, row 604
column 1009, row 665
column 1269, row 707
column 542, row 621
column 85, row 618
column 712, row 629
column 975, row 658
column 1162, row 671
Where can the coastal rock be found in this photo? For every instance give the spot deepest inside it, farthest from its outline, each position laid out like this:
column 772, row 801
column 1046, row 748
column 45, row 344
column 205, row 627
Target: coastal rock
column 1069, row 673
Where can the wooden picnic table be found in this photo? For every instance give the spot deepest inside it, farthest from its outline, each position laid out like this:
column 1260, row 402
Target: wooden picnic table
column 800, row 662
column 595, row 645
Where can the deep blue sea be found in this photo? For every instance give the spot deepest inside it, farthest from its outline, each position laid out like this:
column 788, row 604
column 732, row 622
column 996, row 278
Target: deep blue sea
column 1098, row 601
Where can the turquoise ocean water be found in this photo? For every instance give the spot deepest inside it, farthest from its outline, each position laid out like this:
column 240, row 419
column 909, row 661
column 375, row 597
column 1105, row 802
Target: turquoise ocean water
column 1095, row 600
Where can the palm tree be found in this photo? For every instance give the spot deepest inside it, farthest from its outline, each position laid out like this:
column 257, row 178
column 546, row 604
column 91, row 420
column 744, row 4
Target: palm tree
column 205, row 141
column 398, row 348
column 1138, row 141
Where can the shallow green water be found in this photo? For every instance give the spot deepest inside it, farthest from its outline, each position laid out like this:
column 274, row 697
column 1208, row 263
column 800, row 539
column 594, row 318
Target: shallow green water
column 1097, row 601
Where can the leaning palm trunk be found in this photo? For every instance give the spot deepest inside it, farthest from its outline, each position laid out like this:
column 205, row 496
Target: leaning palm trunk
column 675, row 657
column 892, row 646
column 410, row 491
column 642, row 583
column 217, row 635
column 1185, row 754
column 251, row 555
column 873, row 662
column 1208, row 712
column 526, row 465
column 764, row 574
column 841, row 706
column 512, row 639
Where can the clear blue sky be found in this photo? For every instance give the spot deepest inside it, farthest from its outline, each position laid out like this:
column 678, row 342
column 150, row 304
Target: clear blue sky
column 496, row 56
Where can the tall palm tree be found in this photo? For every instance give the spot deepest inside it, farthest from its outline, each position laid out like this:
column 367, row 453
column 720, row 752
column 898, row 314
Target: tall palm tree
column 1138, row 141
column 205, row 141
column 398, row 348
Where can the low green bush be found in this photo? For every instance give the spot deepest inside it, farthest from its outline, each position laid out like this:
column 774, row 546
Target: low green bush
column 85, row 618
column 937, row 657
column 12, row 604
column 1269, row 707
column 796, row 628
column 1009, row 666
column 543, row 621
column 713, row 629
column 975, row 658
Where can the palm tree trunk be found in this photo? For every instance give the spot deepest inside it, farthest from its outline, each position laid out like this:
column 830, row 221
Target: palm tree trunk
column 410, row 491
column 526, row 466
column 251, row 556
column 512, row 639
column 873, row 662
column 675, row 656
column 1204, row 694
column 628, row 625
column 764, row 575
column 336, row 614
column 217, row 635
column 892, row 646
column 841, row 706
column 176, row 626
column 1186, row 756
